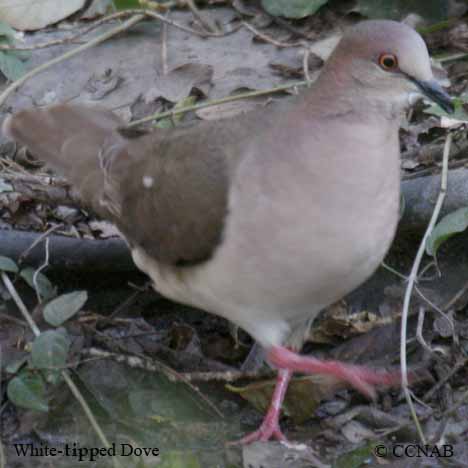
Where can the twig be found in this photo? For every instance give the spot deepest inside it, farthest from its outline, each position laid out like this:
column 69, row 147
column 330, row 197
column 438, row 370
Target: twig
column 215, row 102
column 305, row 65
column 43, row 236
column 106, row 19
column 456, row 298
column 126, row 303
column 73, row 38
column 427, row 300
column 87, row 410
column 13, row 319
column 421, row 402
column 419, row 333
column 228, row 376
column 441, row 313
column 458, row 365
column 201, row 18
column 395, row 272
column 451, row 57
column 20, row 304
column 36, row 273
column 140, row 14
column 411, row 281
column 140, row 361
column 453, row 409
column 269, row 39
column 164, row 48
column 16, row 84
column 448, row 412
column 283, row 23
column 426, row 268
column 162, row 18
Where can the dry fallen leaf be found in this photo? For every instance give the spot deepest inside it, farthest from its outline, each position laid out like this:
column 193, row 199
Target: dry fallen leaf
column 339, row 323
column 179, row 82
column 303, row 396
column 356, row 432
column 30, row 15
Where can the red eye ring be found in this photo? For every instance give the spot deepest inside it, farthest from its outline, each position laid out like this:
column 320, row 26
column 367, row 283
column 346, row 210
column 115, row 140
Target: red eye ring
column 388, row 62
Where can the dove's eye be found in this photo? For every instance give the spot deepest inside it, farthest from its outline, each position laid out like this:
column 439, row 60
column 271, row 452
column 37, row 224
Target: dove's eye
column 388, row 62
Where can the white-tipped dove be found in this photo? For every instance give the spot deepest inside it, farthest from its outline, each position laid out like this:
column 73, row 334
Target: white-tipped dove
column 265, row 218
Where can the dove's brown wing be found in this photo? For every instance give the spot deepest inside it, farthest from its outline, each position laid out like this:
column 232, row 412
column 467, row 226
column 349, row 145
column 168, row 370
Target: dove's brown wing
column 173, row 203
column 167, row 191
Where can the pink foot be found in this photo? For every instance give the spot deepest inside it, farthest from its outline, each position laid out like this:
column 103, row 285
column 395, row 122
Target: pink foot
column 361, row 378
column 269, row 428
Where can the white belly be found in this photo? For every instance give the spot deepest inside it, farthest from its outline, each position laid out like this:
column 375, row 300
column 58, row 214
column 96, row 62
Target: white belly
column 268, row 281
column 289, row 248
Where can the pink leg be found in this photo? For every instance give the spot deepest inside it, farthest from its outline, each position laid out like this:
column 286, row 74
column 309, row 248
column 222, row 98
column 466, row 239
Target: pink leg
column 270, row 426
column 361, row 378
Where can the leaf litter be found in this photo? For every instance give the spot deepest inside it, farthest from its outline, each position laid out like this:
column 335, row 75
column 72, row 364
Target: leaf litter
column 214, row 68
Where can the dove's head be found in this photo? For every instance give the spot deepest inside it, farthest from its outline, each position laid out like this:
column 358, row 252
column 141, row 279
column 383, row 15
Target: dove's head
column 386, row 61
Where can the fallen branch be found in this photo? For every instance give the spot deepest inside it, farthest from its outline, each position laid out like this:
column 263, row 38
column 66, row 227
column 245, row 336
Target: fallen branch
column 68, row 252
column 421, row 193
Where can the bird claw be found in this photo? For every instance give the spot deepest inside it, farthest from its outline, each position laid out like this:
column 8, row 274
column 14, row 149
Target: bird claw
column 361, row 378
column 264, row 433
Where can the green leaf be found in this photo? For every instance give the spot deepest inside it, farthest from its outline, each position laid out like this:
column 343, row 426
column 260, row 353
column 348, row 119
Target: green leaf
column 15, row 366
column 292, row 8
column 22, row 54
column 362, row 456
column 28, row 391
column 44, row 287
column 449, row 225
column 6, row 30
column 7, row 264
column 432, row 10
column 11, row 65
column 50, row 350
column 179, row 459
column 171, row 122
column 63, row 307
column 128, row 4
column 304, row 395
